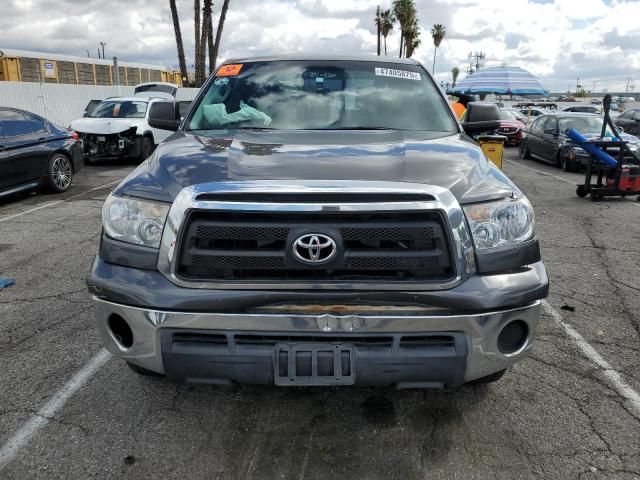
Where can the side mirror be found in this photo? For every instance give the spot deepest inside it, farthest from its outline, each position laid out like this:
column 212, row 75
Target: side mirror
column 481, row 117
column 85, row 114
column 164, row 115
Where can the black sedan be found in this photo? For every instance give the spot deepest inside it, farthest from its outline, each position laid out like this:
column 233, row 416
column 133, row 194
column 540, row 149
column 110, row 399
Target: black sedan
column 546, row 140
column 629, row 121
column 35, row 153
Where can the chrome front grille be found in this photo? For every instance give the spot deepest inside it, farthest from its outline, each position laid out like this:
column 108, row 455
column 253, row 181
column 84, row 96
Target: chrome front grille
column 405, row 236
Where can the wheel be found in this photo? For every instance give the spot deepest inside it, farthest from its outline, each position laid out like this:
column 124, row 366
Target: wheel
column 146, row 148
column 581, row 191
column 524, row 152
column 143, row 371
column 595, row 196
column 494, row 377
column 565, row 163
column 60, row 173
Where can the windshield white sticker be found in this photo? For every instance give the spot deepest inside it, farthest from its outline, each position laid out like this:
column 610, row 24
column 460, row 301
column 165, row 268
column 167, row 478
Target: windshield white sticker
column 390, row 72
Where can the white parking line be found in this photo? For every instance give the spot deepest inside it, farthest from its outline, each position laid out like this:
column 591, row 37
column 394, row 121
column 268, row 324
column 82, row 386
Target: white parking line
column 51, row 204
column 542, row 172
column 611, row 377
column 49, row 409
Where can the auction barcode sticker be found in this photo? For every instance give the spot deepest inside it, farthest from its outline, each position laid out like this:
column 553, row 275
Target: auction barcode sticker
column 390, row 72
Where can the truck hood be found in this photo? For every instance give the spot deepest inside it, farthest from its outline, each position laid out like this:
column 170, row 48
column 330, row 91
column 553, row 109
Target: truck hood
column 105, row 126
column 454, row 162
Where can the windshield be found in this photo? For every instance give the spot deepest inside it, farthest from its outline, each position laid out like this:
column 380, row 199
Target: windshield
column 327, row 95
column 120, row 109
column 581, row 124
column 504, row 115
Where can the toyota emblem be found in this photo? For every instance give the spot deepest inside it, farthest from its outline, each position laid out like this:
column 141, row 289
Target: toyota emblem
column 314, row 248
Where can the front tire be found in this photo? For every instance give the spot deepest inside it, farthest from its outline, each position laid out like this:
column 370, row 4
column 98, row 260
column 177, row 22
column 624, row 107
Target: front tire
column 146, row 148
column 581, row 191
column 524, row 152
column 59, row 173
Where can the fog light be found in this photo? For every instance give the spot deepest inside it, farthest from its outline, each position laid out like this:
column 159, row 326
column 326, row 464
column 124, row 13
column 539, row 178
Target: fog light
column 120, row 330
column 513, row 337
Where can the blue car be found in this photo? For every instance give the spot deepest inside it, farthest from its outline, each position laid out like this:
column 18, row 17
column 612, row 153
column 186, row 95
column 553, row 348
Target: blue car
column 35, row 153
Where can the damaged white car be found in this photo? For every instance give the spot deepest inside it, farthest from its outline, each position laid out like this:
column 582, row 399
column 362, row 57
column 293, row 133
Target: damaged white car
column 119, row 128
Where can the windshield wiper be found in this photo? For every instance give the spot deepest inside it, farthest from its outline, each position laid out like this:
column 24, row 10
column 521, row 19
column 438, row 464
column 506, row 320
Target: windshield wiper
column 357, row 128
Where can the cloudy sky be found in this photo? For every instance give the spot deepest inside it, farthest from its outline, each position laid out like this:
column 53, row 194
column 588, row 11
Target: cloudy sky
column 557, row 40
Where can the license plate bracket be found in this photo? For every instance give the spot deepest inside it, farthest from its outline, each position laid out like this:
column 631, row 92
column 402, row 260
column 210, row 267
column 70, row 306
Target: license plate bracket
column 314, row 364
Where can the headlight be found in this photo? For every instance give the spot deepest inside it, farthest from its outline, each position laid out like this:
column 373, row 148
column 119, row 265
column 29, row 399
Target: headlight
column 500, row 223
column 134, row 221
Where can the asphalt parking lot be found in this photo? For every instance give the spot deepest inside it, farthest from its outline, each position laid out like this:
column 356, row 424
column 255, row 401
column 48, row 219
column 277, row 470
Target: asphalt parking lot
column 569, row 411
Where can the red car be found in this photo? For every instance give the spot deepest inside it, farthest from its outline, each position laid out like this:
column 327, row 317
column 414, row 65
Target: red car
column 510, row 127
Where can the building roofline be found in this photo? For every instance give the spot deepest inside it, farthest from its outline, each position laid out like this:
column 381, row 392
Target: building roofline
column 10, row 52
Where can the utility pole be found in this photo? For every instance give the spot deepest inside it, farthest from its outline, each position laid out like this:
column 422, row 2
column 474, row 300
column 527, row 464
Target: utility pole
column 88, row 56
column 577, row 85
column 99, row 53
column 628, row 81
column 478, row 57
column 593, row 90
column 103, row 44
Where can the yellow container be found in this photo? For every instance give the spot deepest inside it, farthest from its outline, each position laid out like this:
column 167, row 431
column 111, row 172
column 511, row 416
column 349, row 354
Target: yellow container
column 493, row 148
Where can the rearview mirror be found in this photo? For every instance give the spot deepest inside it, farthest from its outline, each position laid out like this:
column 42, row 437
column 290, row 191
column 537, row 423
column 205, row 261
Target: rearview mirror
column 164, row 115
column 481, row 117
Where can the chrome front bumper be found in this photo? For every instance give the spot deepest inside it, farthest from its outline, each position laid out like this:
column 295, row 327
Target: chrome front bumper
column 480, row 330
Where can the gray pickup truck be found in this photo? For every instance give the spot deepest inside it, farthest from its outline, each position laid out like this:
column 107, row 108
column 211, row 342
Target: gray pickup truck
column 318, row 221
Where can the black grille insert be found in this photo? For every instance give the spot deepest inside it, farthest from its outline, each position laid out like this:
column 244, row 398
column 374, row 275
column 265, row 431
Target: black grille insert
column 246, row 246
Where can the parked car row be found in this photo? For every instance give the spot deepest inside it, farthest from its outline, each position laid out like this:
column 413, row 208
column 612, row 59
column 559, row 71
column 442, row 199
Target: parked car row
column 546, row 139
column 36, row 154
column 118, row 127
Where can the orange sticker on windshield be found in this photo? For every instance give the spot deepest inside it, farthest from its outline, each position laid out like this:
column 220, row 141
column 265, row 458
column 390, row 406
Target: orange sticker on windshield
column 229, row 70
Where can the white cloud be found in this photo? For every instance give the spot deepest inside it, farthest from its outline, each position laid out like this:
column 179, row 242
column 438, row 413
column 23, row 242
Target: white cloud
column 558, row 40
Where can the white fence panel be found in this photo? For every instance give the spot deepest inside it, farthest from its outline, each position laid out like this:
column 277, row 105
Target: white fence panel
column 64, row 103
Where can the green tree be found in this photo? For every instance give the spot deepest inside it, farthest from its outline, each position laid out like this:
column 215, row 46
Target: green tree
column 176, row 27
column 437, row 33
column 455, row 71
column 412, row 38
column 387, row 21
column 405, row 13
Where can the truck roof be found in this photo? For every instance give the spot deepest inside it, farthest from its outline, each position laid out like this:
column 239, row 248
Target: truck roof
column 325, row 57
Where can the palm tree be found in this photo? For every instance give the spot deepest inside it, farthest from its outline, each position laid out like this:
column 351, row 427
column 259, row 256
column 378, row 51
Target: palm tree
column 176, row 26
column 223, row 15
column 405, row 12
column 207, row 31
column 455, row 71
column 387, row 21
column 378, row 21
column 199, row 47
column 437, row 32
column 412, row 38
